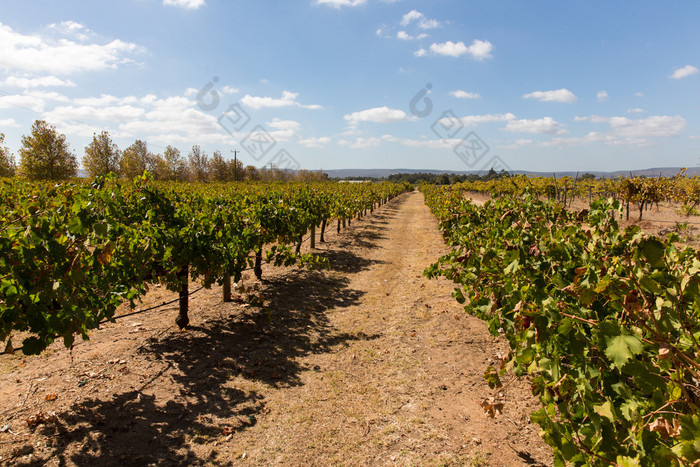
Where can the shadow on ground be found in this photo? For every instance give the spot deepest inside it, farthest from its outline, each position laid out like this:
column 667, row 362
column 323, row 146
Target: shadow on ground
column 205, row 367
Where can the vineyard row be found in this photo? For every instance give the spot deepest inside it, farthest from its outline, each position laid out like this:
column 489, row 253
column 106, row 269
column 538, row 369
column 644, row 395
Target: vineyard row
column 72, row 253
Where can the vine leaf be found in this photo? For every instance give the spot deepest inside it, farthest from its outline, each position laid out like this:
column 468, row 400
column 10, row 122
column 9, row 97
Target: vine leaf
column 621, row 348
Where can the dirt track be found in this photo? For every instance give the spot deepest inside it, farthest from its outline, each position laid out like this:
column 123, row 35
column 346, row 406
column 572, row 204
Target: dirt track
column 368, row 363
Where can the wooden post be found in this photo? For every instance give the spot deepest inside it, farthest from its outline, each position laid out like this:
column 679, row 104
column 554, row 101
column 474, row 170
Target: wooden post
column 183, row 319
column 313, row 237
column 573, row 190
column 258, row 263
column 227, row 288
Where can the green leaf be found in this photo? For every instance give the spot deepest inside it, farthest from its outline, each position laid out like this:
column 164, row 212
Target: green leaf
column 605, row 410
column 653, row 250
column 625, row 461
column 620, row 349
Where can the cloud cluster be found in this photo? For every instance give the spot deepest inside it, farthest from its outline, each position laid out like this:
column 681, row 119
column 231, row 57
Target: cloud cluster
column 420, row 19
column 337, row 4
column 288, row 99
column 478, row 50
column 42, row 54
column 558, row 95
column 459, row 94
column 376, row 115
column 186, row 4
column 684, row 72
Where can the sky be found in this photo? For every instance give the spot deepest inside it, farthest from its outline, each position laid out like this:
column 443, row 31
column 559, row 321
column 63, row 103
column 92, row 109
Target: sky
column 330, row 84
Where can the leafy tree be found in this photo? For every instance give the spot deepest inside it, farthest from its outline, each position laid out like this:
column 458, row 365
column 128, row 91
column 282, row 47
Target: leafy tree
column 251, row 173
column 198, row 164
column 45, row 156
column 135, row 159
column 102, row 156
column 443, row 179
column 7, row 162
column 220, row 169
column 175, row 163
column 158, row 167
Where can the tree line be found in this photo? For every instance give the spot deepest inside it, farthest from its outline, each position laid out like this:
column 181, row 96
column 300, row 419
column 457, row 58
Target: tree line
column 45, row 155
column 445, row 179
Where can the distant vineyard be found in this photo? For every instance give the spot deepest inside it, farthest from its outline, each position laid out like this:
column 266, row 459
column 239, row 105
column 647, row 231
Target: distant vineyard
column 606, row 322
column 70, row 254
column 640, row 192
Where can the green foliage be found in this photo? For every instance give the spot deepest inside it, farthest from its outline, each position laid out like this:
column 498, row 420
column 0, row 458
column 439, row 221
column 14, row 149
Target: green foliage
column 198, row 164
column 71, row 253
column 605, row 321
column 7, row 162
column 45, row 156
column 102, row 156
column 135, row 160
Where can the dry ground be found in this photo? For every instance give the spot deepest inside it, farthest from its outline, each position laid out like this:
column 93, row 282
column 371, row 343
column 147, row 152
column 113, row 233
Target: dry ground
column 368, row 363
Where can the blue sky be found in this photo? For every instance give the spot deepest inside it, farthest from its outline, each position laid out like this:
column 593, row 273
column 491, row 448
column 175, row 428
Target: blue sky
column 327, row 84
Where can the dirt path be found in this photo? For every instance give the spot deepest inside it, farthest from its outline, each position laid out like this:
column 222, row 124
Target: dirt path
column 368, row 363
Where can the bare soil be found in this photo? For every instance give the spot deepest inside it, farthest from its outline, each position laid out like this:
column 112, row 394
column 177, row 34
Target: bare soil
column 368, row 363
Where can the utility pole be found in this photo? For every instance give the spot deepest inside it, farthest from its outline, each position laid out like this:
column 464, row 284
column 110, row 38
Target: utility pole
column 235, row 165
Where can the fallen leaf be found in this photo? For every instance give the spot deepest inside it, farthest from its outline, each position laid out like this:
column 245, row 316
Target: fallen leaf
column 51, row 397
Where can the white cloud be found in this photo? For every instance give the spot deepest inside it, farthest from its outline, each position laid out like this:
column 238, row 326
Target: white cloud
column 459, row 94
column 404, row 36
column 420, row 52
column 429, row 23
column 123, row 113
column 683, row 72
column 8, row 122
column 423, row 22
column 546, row 125
column 639, row 94
column 284, row 124
column 411, row 16
column 337, row 4
column 187, row 4
column 430, row 143
column 33, row 53
column 43, row 81
column 319, row 142
column 71, row 28
column 478, row 50
column 361, row 143
column 636, row 110
column 284, row 130
column 473, row 120
column 657, row 125
column 602, row 96
column 518, row 143
column 288, row 99
column 33, row 103
column 558, row 95
column 592, row 137
column 376, row 115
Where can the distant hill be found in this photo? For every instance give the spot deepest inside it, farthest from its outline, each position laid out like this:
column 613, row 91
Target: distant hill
column 384, row 173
